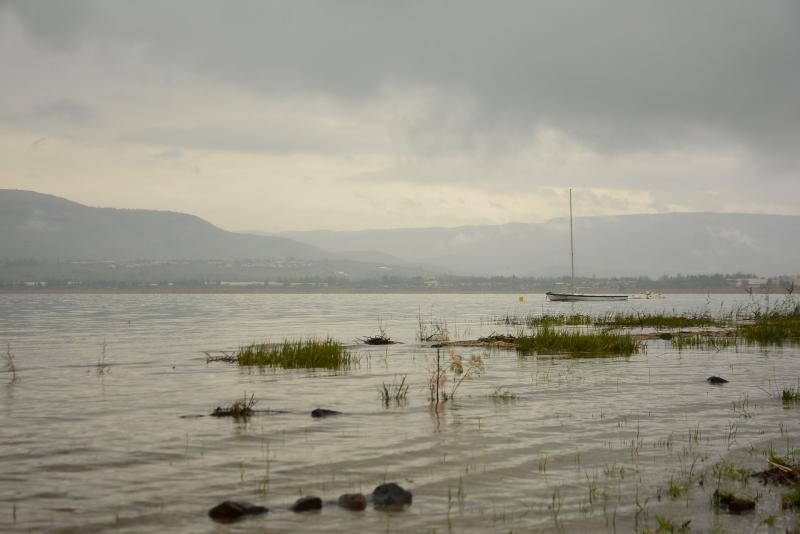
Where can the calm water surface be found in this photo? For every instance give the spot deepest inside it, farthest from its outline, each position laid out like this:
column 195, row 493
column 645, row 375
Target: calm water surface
column 582, row 444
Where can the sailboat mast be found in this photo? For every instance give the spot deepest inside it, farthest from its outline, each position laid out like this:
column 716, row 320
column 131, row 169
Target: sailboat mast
column 571, row 249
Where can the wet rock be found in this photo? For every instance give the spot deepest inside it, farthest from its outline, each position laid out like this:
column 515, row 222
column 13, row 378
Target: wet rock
column 233, row 510
column 735, row 505
column 353, row 501
column 390, row 495
column 305, row 504
column 716, row 380
column 324, row 412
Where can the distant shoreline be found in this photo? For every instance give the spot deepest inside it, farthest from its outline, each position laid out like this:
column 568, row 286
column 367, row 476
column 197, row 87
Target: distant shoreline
column 354, row 291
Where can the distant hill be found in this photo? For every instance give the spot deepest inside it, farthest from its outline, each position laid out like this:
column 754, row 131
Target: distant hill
column 626, row 245
column 45, row 227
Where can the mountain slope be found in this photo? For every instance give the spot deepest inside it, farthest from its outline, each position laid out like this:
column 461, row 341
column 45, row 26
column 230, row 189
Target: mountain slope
column 626, row 245
column 45, row 227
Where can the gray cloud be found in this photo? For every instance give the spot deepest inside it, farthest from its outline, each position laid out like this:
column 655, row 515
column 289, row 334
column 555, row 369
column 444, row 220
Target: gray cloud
column 622, row 75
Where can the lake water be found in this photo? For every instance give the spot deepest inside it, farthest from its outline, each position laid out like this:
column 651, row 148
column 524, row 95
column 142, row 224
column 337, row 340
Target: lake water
column 579, row 444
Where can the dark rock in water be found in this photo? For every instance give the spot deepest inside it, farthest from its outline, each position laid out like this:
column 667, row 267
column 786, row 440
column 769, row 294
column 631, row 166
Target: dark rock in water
column 304, row 504
column 716, row 380
column 232, row 510
column 324, row 412
column 353, row 501
column 665, row 336
column 739, row 506
column 390, row 495
column 735, row 505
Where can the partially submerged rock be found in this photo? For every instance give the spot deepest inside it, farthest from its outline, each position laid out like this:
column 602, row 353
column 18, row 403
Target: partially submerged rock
column 233, row 510
column 390, row 495
column 353, row 501
column 734, row 504
column 324, row 412
column 305, row 504
column 716, row 380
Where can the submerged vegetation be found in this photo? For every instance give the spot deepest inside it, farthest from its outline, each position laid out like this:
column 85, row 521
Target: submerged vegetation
column 241, row 408
column 547, row 340
column 301, row 354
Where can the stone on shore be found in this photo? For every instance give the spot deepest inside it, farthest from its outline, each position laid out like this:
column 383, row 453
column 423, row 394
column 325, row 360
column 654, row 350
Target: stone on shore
column 353, row 501
column 324, row 412
column 305, row 504
column 233, row 510
column 390, row 495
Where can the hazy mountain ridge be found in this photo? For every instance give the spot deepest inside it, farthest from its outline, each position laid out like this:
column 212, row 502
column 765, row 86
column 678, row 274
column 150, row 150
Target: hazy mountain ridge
column 624, row 245
column 45, row 227
column 49, row 228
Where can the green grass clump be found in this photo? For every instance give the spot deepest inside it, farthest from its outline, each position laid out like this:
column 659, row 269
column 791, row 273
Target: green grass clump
column 790, row 395
column 548, row 340
column 659, row 320
column 772, row 330
column 774, row 326
column 302, row 354
column 791, row 499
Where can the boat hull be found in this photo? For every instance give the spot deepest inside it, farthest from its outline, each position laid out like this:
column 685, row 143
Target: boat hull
column 573, row 297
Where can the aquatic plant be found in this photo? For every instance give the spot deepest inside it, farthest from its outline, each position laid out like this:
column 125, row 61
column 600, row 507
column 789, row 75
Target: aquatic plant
column 660, row 320
column 10, row 366
column 774, row 328
column 302, row 354
column 381, row 338
column 502, row 393
column 432, row 330
column 459, row 370
column 575, row 319
column 702, row 342
column 395, row 391
column 547, row 340
column 790, row 395
column 240, row 408
column 102, row 367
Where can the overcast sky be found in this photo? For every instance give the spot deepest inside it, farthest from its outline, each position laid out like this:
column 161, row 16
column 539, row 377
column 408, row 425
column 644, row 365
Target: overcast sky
column 376, row 114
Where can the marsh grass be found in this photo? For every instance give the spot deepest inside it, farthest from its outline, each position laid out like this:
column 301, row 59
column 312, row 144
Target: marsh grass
column 547, row 340
column 790, row 396
column 561, row 319
column 300, row 354
column 772, row 329
column 660, row 320
column 703, row 342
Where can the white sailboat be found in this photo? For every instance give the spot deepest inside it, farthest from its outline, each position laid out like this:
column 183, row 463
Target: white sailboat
column 574, row 296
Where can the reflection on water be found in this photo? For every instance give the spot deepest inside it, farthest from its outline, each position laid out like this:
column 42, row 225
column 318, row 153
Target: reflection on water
column 93, row 439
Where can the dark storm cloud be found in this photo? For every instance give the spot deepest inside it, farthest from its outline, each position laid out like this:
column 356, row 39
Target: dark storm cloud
column 623, row 75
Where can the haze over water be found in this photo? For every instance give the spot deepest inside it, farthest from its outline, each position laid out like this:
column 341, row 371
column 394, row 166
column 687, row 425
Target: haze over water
column 579, row 441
